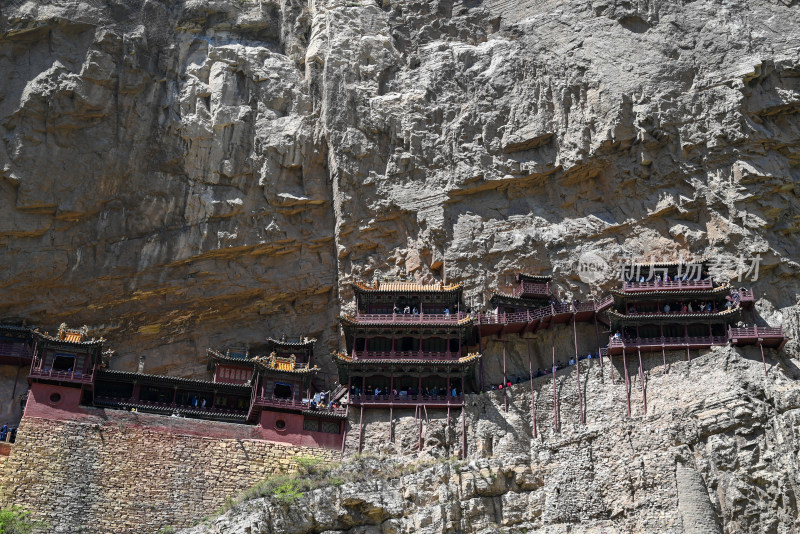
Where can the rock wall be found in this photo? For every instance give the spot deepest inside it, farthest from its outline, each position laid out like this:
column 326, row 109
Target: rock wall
column 194, row 174
column 134, row 473
column 716, row 452
column 13, row 391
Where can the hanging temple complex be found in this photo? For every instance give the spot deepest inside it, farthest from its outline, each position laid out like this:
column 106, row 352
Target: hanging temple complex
column 406, row 346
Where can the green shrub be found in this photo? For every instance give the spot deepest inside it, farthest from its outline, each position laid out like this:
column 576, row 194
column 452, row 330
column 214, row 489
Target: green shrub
column 17, row 520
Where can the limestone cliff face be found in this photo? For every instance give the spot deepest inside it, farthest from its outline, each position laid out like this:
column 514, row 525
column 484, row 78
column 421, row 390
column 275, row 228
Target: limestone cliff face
column 179, row 175
column 715, row 452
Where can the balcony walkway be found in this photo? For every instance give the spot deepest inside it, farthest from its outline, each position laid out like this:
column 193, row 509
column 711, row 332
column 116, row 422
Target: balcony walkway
column 540, row 318
column 753, row 335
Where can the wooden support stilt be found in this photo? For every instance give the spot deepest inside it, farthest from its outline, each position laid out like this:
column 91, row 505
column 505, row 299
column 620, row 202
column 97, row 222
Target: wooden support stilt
column 419, row 430
column 611, row 364
column 391, row 423
column 627, row 381
column 763, row 360
column 578, row 370
column 505, row 378
column 533, row 395
column 555, row 395
column 480, row 346
column 664, row 356
column 641, row 378
column 463, row 433
column 463, row 420
column 16, row 379
column 597, row 336
column 361, row 428
column 688, row 358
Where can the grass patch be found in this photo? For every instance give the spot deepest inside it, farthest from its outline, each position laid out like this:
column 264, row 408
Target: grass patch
column 313, row 473
column 17, row 520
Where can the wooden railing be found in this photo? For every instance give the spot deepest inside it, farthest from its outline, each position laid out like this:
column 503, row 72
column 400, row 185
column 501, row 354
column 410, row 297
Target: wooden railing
column 530, row 288
column 605, row 303
column 537, row 313
column 274, row 402
column 671, row 285
column 406, row 399
column 755, row 331
column 410, row 318
column 70, row 376
column 668, row 341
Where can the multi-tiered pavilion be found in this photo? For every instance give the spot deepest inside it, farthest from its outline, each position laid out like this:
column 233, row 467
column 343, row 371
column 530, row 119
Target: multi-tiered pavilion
column 680, row 306
column 407, row 346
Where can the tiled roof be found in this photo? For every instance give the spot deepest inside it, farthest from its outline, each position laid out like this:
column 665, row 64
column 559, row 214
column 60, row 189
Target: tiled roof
column 237, row 358
column 205, row 414
column 536, row 278
column 696, row 316
column 671, row 292
column 407, row 287
column 72, row 340
column 324, row 414
column 171, row 380
column 282, row 365
column 293, row 342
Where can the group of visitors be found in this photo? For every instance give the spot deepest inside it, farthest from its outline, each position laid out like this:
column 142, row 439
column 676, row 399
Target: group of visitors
column 198, row 402
column 8, row 434
column 407, row 391
column 692, row 306
column 516, row 379
column 323, row 401
column 409, row 310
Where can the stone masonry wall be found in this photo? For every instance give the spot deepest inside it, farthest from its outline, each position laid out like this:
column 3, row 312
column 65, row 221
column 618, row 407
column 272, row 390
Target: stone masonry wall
column 118, row 476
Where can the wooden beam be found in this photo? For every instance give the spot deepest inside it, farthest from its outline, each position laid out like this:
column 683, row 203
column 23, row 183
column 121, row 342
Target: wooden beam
column 641, row 378
column 582, row 417
column 627, row 381
column 533, row 395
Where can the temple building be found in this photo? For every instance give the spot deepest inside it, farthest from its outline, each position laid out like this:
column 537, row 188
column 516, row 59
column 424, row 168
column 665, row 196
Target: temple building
column 406, row 346
column 530, row 292
column 269, row 391
column 680, row 306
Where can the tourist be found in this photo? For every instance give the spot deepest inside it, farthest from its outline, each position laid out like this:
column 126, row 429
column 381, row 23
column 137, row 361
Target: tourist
column 447, row 311
column 13, row 436
column 3, row 432
column 690, row 308
column 666, row 308
column 407, row 310
column 415, row 311
column 455, row 393
column 194, row 401
column 203, row 403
